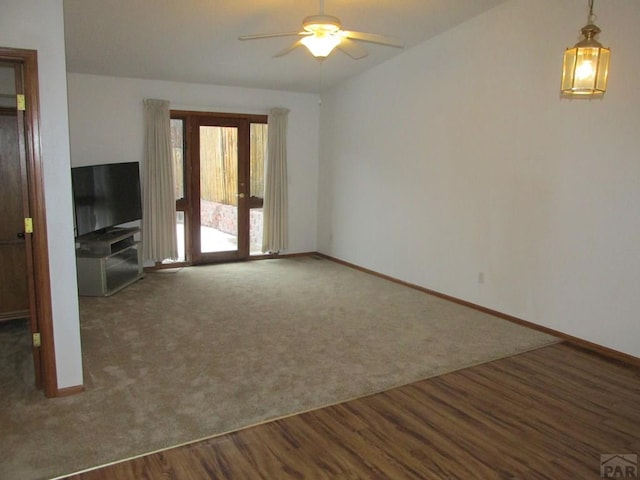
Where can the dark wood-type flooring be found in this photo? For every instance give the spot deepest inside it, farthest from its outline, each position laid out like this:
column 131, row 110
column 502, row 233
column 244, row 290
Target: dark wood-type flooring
column 548, row 413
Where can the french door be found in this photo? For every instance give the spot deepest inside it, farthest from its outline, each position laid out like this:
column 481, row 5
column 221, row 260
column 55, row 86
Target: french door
column 219, row 185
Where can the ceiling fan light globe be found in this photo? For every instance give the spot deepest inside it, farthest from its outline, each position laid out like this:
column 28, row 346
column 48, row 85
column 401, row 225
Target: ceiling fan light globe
column 321, row 45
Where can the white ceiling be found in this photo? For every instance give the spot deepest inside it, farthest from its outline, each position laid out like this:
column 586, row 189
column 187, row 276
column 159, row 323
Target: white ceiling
column 197, row 40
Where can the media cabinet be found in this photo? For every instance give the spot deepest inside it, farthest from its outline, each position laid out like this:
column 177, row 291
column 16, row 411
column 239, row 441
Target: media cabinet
column 108, row 262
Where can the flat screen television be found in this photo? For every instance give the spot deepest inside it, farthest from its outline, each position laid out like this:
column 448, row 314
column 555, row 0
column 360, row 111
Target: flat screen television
column 105, row 196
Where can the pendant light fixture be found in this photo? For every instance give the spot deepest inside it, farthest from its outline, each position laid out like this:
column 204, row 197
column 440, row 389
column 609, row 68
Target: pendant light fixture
column 586, row 65
column 324, row 36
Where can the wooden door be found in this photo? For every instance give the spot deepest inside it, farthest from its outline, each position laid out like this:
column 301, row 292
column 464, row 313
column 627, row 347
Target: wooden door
column 220, row 222
column 14, row 294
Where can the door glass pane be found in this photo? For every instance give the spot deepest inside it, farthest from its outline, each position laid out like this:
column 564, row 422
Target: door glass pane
column 218, row 189
column 258, row 162
column 177, row 153
column 181, row 236
column 177, row 150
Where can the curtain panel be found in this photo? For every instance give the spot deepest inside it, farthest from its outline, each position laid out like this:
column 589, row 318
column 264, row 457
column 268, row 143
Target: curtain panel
column 275, row 214
column 159, row 240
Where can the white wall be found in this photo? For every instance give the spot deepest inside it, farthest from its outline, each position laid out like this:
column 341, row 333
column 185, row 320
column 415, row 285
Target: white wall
column 37, row 25
column 458, row 158
column 107, row 125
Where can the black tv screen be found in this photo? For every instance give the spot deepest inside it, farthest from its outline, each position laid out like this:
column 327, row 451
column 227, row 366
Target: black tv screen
column 105, row 196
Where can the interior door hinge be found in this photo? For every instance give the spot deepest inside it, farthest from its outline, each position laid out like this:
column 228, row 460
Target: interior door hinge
column 36, row 340
column 28, row 225
column 21, row 103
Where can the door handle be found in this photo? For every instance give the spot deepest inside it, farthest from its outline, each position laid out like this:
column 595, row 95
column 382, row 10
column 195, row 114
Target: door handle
column 20, row 234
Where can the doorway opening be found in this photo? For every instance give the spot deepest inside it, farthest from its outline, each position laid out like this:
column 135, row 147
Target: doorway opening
column 25, row 291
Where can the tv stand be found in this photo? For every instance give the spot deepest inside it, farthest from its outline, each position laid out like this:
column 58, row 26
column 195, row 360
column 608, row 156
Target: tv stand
column 108, row 261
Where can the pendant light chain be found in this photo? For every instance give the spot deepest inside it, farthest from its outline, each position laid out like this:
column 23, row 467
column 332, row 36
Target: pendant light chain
column 592, row 17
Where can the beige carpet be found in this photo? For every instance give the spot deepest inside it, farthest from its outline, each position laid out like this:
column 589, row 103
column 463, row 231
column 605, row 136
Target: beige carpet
column 189, row 354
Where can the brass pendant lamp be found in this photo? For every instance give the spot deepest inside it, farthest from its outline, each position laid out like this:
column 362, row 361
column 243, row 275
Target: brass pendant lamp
column 586, row 65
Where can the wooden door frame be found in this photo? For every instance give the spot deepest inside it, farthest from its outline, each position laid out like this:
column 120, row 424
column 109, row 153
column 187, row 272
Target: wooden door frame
column 192, row 121
column 39, row 279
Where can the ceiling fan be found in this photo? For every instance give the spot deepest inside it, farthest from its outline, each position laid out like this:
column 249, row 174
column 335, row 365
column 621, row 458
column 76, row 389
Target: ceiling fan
column 322, row 33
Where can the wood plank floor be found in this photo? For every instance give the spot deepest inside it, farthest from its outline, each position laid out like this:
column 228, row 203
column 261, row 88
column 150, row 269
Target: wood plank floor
column 548, row 413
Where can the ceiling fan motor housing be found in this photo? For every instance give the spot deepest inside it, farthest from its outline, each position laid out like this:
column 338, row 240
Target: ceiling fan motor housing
column 321, row 24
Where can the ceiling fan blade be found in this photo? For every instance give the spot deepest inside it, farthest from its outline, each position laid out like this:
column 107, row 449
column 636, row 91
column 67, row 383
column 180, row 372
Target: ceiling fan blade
column 270, row 35
column 375, row 38
column 352, row 49
column 291, row 47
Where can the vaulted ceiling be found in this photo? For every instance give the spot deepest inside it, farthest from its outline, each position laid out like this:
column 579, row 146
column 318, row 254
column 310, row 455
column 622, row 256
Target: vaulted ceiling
column 197, row 40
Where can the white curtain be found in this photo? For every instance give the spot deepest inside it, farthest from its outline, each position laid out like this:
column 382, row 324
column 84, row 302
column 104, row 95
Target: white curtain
column 159, row 207
column 275, row 228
